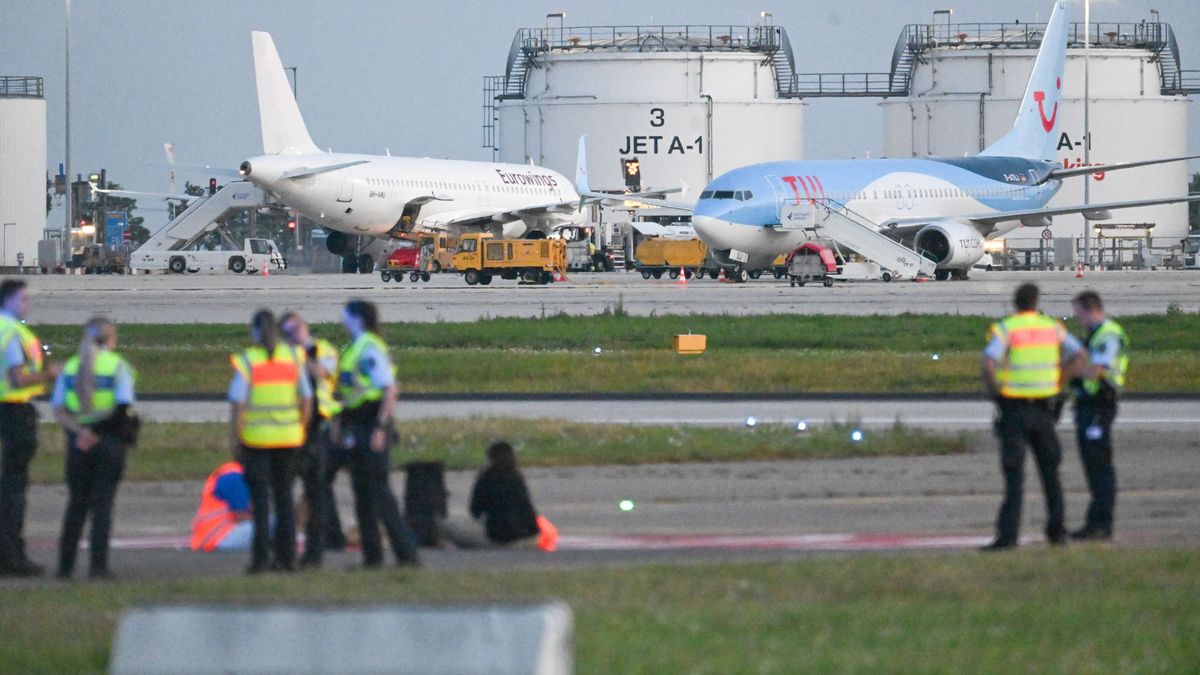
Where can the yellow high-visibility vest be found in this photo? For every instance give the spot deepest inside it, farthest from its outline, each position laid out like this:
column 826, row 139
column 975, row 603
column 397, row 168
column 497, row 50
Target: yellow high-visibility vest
column 272, row 414
column 11, row 329
column 354, row 385
column 1114, row 374
column 104, row 392
column 1031, row 366
column 327, row 405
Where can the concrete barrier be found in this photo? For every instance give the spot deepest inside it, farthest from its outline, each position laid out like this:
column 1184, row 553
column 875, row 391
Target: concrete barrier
column 466, row 639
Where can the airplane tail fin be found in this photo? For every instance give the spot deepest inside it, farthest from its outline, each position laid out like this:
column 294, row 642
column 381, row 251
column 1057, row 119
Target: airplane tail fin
column 1033, row 133
column 581, row 172
column 283, row 130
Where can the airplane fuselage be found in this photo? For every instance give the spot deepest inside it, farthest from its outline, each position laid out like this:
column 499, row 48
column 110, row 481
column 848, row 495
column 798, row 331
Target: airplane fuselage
column 384, row 193
column 742, row 209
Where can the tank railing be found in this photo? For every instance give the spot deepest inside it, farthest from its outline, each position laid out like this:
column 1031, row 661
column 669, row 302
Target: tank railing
column 843, row 84
column 1146, row 35
column 21, row 86
column 650, row 38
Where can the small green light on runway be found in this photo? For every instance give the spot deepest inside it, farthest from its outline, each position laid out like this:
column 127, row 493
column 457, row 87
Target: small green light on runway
column 626, row 505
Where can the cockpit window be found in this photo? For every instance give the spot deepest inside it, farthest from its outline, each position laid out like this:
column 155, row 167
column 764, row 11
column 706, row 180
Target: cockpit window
column 747, row 196
column 707, row 194
column 723, row 194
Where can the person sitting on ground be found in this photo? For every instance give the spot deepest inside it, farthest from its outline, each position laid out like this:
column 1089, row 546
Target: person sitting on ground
column 223, row 522
column 501, row 512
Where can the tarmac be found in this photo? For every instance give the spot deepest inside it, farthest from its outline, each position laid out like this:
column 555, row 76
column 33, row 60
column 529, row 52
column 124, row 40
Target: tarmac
column 682, row 513
column 724, row 511
column 229, row 298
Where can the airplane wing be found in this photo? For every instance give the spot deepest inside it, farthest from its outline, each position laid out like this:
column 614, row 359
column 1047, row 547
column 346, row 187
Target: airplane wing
column 994, row 218
column 1059, row 174
column 481, row 216
column 638, row 198
column 902, row 227
column 165, row 196
column 306, row 172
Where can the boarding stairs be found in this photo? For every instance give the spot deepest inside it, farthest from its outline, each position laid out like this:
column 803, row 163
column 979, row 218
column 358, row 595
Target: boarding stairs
column 829, row 219
column 204, row 215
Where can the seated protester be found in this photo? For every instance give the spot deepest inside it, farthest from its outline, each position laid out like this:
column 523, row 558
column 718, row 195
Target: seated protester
column 501, row 511
column 224, row 521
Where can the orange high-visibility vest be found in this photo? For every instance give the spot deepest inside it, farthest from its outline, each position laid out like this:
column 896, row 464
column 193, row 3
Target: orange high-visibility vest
column 214, row 520
column 272, row 410
column 1030, row 368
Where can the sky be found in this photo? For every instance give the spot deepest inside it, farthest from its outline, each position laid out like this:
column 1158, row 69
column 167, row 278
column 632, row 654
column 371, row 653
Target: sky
column 406, row 77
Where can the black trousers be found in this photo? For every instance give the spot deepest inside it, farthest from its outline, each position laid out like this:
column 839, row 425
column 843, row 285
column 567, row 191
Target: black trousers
column 375, row 501
column 269, row 476
column 18, row 443
column 310, row 469
column 336, row 459
column 1028, row 423
column 1093, row 429
column 92, row 479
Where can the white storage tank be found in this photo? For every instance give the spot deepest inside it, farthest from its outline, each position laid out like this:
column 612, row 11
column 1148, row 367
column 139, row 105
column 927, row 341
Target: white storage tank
column 969, row 80
column 22, row 168
column 689, row 102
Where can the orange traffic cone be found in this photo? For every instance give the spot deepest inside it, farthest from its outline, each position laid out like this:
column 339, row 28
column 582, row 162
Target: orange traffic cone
column 265, row 272
column 1079, row 271
column 562, row 275
column 721, row 276
column 682, row 281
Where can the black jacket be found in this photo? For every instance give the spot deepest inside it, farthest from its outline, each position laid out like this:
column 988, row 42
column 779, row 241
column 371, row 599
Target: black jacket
column 503, row 500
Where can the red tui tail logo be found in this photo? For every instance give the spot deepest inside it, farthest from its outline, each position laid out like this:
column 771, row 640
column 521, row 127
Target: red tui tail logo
column 1040, row 97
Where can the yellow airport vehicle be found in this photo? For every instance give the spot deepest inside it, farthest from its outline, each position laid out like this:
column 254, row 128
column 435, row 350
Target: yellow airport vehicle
column 658, row 256
column 480, row 257
column 438, row 251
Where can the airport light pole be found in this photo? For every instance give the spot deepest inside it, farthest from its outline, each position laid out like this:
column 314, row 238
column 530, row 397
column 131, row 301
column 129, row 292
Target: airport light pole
column 936, row 14
column 1087, row 129
column 70, row 216
column 4, row 251
column 562, row 18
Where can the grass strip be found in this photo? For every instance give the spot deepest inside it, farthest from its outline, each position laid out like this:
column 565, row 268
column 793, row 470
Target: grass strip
column 772, row 353
column 1083, row 610
column 182, row 451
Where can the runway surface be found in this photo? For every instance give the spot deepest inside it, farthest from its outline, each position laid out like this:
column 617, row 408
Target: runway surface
column 726, row 511
column 933, row 414
column 228, row 298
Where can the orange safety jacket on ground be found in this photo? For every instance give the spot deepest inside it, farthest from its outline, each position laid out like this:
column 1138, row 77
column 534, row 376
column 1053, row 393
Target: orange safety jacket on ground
column 214, row 519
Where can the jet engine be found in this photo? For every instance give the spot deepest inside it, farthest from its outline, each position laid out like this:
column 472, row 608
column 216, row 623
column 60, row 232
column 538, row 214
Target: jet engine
column 951, row 244
column 337, row 243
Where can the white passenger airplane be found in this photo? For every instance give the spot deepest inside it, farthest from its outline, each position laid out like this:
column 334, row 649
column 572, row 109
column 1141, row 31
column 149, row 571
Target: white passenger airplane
column 942, row 208
column 384, row 196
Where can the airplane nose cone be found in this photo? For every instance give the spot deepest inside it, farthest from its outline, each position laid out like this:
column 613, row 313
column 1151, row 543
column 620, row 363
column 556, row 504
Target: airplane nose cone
column 713, row 231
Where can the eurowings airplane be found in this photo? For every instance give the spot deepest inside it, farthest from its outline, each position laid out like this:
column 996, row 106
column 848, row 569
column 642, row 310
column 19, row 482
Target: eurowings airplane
column 383, row 196
column 943, row 208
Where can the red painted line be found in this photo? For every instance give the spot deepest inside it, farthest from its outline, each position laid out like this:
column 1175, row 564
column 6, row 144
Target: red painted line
column 653, row 542
column 817, row 179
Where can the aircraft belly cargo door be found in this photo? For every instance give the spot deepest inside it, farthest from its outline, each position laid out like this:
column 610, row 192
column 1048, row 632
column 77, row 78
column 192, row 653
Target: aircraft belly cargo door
column 346, row 190
column 793, row 212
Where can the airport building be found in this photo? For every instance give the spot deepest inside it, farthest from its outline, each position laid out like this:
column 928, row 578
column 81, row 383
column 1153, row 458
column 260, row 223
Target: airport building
column 964, row 83
column 689, row 102
column 22, row 169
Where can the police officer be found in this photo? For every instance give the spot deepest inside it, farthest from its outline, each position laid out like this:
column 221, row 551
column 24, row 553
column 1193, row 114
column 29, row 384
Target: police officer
column 321, row 365
column 368, row 390
column 91, row 401
column 271, row 400
column 1022, row 372
column 23, row 377
column 1099, row 383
